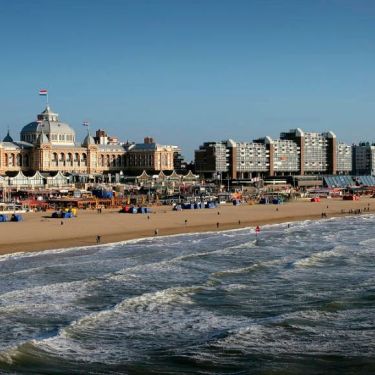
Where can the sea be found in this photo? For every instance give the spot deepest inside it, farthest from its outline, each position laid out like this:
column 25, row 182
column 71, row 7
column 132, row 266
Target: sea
column 299, row 298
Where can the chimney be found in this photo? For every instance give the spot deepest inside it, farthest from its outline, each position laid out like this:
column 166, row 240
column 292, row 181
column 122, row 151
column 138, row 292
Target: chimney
column 148, row 140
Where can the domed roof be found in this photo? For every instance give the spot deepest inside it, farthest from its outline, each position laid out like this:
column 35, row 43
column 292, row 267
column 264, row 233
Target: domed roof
column 8, row 138
column 42, row 139
column 49, row 123
column 89, row 140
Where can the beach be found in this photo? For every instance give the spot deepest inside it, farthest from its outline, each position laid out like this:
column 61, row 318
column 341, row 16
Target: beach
column 39, row 231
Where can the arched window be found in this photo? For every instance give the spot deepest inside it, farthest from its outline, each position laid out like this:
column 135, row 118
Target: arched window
column 26, row 160
column 113, row 161
column 19, row 160
column 6, row 160
column 101, row 160
column 69, row 159
column 55, row 160
column 84, row 159
column 108, row 161
column 76, row 159
column 12, row 158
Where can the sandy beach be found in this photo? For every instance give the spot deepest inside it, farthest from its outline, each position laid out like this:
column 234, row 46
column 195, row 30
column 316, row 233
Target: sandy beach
column 39, row 231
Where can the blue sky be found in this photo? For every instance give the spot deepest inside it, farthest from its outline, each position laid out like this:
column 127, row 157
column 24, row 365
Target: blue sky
column 187, row 72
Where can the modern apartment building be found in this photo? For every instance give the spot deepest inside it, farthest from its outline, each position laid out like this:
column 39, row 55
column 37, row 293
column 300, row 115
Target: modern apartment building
column 212, row 159
column 316, row 155
column 364, row 159
column 295, row 153
column 344, row 155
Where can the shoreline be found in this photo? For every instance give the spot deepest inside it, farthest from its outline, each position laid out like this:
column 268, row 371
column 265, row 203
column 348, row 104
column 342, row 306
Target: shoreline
column 39, row 232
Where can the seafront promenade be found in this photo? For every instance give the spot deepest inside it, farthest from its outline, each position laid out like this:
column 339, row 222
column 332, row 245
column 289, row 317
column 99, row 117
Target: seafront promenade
column 40, row 232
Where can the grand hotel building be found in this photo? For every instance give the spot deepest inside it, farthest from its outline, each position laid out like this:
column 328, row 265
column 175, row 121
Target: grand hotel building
column 49, row 145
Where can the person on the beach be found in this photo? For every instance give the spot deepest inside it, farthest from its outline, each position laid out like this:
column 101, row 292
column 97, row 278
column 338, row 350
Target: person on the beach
column 156, row 232
column 217, row 225
column 185, row 221
column 98, row 238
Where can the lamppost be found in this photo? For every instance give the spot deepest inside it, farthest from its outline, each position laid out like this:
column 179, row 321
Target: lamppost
column 219, row 177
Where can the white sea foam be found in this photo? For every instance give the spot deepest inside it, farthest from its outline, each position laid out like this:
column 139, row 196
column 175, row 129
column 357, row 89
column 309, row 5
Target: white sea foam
column 149, row 320
column 321, row 256
column 251, row 267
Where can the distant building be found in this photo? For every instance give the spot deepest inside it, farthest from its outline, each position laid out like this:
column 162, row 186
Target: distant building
column 317, row 151
column 212, row 159
column 49, row 145
column 149, row 156
column 344, row 155
column 295, row 153
column 364, row 159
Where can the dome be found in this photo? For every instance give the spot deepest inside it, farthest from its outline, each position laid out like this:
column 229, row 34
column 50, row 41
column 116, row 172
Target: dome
column 58, row 133
column 8, row 138
column 89, row 140
column 42, row 139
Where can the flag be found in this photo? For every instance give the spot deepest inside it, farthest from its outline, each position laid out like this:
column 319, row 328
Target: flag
column 85, row 123
column 43, row 92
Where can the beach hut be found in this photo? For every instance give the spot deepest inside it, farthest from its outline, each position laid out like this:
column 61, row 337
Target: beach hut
column 3, row 218
column 36, row 180
column 17, row 179
column 277, row 200
column 56, row 179
column 175, row 177
column 16, row 217
column 190, row 177
column 143, row 178
column 102, row 193
column 210, row 204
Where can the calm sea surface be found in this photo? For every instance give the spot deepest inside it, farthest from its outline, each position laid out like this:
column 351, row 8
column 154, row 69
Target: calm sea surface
column 300, row 300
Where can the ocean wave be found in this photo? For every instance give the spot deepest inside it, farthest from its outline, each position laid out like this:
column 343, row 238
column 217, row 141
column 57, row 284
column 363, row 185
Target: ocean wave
column 312, row 332
column 321, row 256
column 250, row 268
column 149, row 321
column 193, row 296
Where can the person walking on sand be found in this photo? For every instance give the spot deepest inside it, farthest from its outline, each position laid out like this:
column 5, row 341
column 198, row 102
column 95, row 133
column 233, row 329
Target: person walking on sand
column 156, row 232
column 217, row 225
column 98, row 238
column 185, row 221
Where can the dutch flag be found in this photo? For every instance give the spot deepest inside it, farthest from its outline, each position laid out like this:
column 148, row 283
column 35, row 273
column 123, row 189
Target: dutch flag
column 43, row 92
column 85, row 123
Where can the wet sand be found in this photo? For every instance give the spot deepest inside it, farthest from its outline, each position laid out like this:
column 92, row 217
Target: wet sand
column 39, row 231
